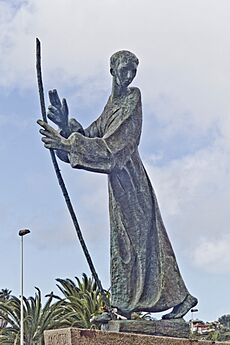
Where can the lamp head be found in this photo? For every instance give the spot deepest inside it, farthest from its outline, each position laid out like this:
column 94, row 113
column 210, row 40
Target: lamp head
column 24, row 232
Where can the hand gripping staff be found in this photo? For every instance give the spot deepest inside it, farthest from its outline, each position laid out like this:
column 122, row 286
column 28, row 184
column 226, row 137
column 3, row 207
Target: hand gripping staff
column 62, row 183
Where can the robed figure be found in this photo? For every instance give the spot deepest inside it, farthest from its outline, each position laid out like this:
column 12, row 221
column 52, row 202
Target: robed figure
column 144, row 272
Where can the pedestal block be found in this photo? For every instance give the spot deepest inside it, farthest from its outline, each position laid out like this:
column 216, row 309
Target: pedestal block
column 75, row 336
column 172, row 328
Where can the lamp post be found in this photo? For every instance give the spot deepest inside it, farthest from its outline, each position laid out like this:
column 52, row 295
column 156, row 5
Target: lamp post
column 22, row 233
column 193, row 311
column 192, row 318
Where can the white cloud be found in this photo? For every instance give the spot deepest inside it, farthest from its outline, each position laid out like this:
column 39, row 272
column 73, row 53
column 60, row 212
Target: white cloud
column 213, row 255
column 194, row 196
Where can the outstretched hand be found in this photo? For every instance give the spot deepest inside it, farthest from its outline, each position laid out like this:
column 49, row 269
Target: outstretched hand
column 58, row 111
column 52, row 139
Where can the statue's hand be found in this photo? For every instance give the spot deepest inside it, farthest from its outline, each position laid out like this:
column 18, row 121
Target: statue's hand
column 52, row 139
column 58, row 111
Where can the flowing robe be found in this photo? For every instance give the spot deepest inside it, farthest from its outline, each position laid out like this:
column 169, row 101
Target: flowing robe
column 144, row 272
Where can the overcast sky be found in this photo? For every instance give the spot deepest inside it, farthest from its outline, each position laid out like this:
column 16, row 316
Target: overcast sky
column 184, row 76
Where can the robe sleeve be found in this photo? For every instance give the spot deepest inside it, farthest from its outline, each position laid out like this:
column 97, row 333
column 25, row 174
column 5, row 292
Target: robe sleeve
column 94, row 130
column 119, row 141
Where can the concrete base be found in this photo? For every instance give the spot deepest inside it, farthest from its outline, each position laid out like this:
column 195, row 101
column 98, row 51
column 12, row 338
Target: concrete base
column 75, row 336
column 172, row 328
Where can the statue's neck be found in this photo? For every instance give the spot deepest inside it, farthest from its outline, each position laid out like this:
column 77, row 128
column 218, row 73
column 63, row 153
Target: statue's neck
column 118, row 91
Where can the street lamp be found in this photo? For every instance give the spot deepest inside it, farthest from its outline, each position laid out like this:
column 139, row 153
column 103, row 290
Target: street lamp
column 193, row 311
column 22, row 233
column 191, row 322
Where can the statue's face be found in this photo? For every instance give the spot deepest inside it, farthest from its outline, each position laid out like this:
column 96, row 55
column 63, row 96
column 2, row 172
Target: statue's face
column 124, row 73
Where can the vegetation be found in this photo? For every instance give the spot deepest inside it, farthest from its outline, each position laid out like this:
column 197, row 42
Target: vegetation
column 4, row 295
column 80, row 301
column 214, row 336
column 224, row 320
column 214, row 331
column 36, row 319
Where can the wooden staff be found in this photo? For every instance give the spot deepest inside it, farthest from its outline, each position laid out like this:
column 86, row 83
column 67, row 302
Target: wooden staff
column 61, row 181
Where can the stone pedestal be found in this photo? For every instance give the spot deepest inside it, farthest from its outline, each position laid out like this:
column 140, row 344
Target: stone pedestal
column 75, row 336
column 172, row 328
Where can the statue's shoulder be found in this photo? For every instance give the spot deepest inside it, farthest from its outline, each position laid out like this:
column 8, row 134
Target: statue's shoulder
column 134, row 95
column 134, row 91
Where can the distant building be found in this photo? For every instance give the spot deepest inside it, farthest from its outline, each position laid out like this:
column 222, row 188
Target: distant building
column 200, row 327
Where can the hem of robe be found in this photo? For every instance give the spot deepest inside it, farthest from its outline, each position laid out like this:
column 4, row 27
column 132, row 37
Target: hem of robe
column 154, row 308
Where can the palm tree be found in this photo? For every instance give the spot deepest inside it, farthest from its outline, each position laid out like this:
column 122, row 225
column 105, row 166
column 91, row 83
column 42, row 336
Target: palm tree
column 4, row 295
column 82, row 300
column 36, row 319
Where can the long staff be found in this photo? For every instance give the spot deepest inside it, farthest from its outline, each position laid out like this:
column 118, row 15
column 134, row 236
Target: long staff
column 61, row 181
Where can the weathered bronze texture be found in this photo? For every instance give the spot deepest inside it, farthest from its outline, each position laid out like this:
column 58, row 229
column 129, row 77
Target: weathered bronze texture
column 144, row 272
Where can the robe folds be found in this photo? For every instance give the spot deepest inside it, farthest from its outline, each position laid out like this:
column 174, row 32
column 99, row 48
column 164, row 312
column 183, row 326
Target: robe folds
column 144, row 272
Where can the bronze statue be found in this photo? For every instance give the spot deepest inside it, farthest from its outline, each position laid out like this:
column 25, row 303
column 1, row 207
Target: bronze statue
column 144, row 272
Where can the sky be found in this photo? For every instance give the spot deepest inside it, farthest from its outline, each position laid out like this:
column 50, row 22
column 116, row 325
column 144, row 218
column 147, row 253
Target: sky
column 184, row 76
